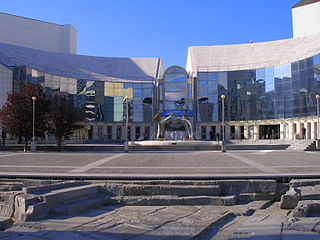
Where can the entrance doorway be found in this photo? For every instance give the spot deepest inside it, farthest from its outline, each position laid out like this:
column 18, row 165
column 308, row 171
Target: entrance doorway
column 270, row 131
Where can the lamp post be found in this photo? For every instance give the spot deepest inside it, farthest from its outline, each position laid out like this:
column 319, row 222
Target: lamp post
column 126, row 147
column 318, row 124
column 33, row 142
column 223, row 144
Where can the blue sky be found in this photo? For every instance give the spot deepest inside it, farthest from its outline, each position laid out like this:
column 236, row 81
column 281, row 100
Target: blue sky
column 163, row 28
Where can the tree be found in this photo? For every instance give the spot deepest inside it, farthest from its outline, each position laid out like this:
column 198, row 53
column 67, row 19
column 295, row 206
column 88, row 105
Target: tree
column 62, row 117
column 16, row 116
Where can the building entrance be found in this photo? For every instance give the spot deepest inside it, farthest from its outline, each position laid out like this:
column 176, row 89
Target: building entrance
column 270, row 131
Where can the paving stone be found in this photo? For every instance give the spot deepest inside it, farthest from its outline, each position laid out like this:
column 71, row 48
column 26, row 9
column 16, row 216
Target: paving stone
column 304, row 225
column 249, row 208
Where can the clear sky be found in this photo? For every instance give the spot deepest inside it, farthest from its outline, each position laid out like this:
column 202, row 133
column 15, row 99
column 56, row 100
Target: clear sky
column 160, row 28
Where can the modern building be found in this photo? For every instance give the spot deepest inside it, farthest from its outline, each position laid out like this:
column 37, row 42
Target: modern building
column 99, row 85
column 306, row 18
column 270, row 88
column 31, row 33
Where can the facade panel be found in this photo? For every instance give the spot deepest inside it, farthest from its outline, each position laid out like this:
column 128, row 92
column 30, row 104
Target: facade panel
column 36, row 34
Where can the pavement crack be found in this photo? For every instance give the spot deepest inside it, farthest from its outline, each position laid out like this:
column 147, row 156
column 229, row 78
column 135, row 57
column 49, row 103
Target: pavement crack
column 155, row 211
column 167, row 222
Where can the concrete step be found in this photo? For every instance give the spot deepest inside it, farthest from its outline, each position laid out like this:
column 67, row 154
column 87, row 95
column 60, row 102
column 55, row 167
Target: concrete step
column 170, row 200
column 179, row 190
column 310, row 192
column 307, row 208
column 83, row 205
column 54, row 186
column 30, row 207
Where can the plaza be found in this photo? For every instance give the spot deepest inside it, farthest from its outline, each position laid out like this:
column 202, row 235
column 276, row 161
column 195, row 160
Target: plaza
column 162, row 165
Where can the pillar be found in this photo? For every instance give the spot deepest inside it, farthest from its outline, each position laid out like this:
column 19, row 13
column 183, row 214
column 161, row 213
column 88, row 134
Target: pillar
column 246, row 131
column 298, row 130
column 307, row 126
column 282, row 131
column 256, row 132
column 208, row 129
column 227, row 132
column 313, row 130
column 95, row 135
column 237, row 132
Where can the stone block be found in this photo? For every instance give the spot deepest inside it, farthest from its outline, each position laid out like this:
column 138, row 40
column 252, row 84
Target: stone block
column 263, row 186
column 294, row 183
column 248, row 197
column 290, row 199
column 230, row 187
column 211, row 200
column 179, row 190
column 307, row 208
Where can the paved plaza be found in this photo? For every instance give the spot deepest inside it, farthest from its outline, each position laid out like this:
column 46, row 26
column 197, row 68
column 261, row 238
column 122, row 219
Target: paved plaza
column 162, row 164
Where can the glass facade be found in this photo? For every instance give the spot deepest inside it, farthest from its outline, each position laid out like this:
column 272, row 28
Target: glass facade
column 102, row 101
column 285, row 91
column 176, row 92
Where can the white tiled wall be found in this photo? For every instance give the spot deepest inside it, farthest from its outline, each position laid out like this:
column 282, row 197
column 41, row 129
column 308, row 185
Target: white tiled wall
column 306, row 20
column 31, row 33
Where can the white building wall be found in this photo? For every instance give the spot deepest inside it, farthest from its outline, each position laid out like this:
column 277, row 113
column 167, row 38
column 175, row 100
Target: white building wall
column 306, row 20
column 36, row 34
column 5, row 84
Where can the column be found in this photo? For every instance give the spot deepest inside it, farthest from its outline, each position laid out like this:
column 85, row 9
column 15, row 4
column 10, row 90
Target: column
column 291, row 131
column 246, row 131
column 142, row 131
column 238, row 132
column 307, row 126
column 256, row 132
column 208, row 129
column 313, row 130
column 198, row 132
column 95, row 135
column 114, row 132
column 298, row 130
column 227, row 132
column 104, row 133
column 282, row 131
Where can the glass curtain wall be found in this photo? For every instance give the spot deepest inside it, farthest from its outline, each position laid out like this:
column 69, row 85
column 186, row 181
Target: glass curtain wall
column 101, row 101
column 176, row 93
column 284, row 91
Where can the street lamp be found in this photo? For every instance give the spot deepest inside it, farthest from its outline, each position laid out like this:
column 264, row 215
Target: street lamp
column 33, row 142
column 223, row 144
column 126, row 147
column 318, row 124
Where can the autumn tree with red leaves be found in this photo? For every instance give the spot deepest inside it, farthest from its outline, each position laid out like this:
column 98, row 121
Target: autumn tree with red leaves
column 17, row 114
column 62, row 117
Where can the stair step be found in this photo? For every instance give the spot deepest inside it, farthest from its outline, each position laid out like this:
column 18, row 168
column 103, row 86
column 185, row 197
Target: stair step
column 52, row 187
column 83, row 205
column 38, row 206
column 179, row 190
column 310, row 192
column 170, row 200
column 72, row 194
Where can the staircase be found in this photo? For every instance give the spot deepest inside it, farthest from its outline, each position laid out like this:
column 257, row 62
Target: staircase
column 59, row 199
column 311, row 147
column 35, row 200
